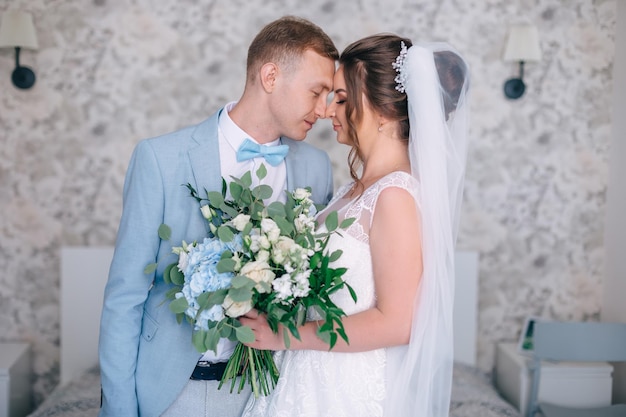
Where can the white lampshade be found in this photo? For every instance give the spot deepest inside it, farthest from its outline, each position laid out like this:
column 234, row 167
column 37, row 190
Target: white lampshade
column 523, row 44
column 17, row 29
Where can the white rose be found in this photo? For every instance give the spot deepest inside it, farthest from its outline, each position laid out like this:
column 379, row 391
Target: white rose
column 235, row 308
column 241, row 221
column 258, row 271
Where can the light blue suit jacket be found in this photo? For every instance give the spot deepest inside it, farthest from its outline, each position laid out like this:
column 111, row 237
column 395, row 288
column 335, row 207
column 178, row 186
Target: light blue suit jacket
column 146, row 357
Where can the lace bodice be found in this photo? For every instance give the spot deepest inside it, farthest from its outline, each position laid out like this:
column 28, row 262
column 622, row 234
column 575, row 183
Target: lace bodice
column 362, row 207
column 323, row 383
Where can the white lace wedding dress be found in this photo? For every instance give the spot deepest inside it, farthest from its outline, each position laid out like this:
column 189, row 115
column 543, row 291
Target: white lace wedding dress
column 322, row 383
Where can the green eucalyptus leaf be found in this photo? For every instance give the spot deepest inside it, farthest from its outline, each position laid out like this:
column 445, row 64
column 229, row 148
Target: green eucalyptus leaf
column 256, row 210
column 166, row 273
column 165, row 232
column 216, row 199
column 217, row 297
column 240, row 294
column 236, row 190
column 335, row 255
column 286, row 228
column 211, row 339
column 226, row 331
column 177, row 277
column 276, row 209
column 203, row 300
column 347, row 222
column 179, row 305
column 150, row 268
column 242, row 281
column 331, row 221
column 246, row 179
column 171, row 293
column 229, row 211
column 246, row 197
column 225, row 234
column 324, row 335
column 226, row 265
column 262, row 192
column 197, row 338
column 244, row 334
column 261, row 172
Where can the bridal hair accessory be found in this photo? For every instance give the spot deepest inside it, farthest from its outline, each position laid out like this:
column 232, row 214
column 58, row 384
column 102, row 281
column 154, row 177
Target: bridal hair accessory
column 399, row 66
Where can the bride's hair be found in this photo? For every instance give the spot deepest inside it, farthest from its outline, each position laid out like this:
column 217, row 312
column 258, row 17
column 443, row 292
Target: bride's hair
column 368, row 72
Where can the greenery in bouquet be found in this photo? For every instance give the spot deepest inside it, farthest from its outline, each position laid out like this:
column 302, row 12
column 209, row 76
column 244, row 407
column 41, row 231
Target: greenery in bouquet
column 267, row 257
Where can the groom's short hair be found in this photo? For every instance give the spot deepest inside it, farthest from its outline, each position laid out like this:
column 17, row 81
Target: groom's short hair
column 284, row 41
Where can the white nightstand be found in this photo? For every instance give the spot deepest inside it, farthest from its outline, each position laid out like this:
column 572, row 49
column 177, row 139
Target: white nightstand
column 15, row 384
column 562, row 383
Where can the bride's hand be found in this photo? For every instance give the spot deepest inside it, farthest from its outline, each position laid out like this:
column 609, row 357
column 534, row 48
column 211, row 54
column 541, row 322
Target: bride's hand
column 265, row 338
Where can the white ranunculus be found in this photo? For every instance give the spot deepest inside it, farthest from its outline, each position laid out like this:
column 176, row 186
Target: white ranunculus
column 258, row 271
column 235, row 308
column 241, row 221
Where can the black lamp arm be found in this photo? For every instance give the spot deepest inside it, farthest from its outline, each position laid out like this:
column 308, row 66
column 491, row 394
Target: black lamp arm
column 17, row 56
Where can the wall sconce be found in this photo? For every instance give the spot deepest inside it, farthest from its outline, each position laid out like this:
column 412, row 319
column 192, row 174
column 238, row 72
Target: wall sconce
column 522, row 46
column 17, row 31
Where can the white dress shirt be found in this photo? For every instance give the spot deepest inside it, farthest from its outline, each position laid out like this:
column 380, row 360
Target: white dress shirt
column 231, row 137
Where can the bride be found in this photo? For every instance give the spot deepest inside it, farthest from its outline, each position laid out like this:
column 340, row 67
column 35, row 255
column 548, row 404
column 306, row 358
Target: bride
column 401, row 108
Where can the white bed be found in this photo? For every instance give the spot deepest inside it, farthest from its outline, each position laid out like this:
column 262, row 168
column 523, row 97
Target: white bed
column 83, row 276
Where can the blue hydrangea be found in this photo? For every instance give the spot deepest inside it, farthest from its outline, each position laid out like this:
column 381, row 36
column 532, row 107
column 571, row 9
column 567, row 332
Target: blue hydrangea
column 201, row 276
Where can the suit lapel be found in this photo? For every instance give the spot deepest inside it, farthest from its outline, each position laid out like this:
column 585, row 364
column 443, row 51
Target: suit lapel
column 205, row 158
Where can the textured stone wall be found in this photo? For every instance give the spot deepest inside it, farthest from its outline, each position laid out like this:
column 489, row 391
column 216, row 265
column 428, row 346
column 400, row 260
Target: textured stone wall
column 110, row 72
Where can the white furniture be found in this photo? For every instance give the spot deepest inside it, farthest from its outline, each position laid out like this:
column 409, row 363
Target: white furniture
column 563, row 383
column 15, row 386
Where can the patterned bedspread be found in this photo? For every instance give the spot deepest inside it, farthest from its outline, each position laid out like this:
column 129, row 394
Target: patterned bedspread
column 473, row 395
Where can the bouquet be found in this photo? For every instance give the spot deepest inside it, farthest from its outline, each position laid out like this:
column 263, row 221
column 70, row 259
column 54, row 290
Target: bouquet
column 255, row 256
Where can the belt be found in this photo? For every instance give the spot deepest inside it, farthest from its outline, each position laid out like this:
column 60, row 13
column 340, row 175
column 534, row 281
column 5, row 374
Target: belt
column 208, row 371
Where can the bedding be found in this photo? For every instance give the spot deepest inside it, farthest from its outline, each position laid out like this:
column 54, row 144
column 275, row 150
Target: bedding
column 473, row 395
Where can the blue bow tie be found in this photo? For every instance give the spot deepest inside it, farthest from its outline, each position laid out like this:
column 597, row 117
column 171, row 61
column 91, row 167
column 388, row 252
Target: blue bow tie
column 274, row 155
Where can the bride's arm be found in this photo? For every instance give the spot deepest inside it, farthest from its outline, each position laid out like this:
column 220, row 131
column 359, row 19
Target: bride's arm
column 397, row 266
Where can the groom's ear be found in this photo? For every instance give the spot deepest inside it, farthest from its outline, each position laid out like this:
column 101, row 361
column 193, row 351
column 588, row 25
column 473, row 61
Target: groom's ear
column 269, row 73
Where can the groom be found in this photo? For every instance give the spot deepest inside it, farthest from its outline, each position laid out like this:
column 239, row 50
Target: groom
column 149, row 365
